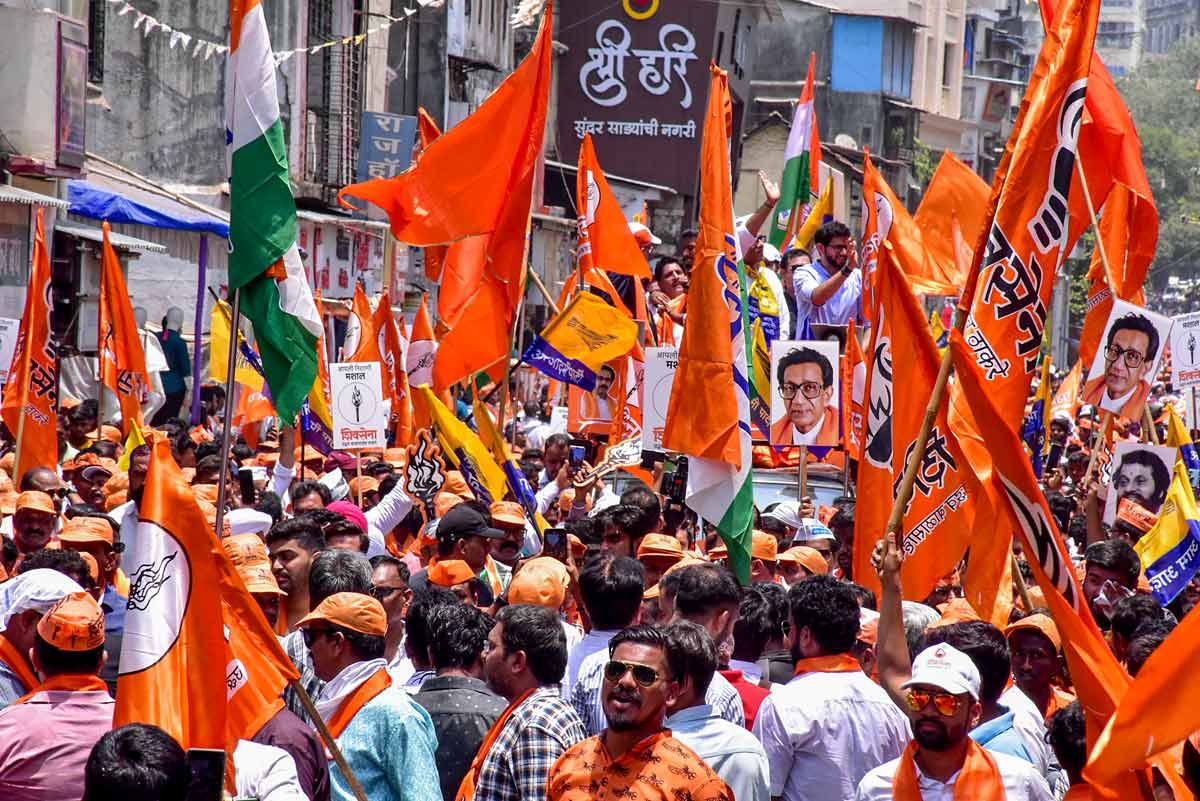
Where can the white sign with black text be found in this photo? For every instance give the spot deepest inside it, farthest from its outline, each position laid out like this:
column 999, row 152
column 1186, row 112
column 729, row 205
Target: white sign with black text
column 658, row 378
column 1185, row 351
column 9, row 329
column 360, row 414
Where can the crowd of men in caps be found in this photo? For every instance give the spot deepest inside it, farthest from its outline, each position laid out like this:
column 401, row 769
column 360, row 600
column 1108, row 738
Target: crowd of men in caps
column 453, row 659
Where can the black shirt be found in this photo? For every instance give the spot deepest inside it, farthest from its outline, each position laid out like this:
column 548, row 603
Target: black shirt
column 463, row 710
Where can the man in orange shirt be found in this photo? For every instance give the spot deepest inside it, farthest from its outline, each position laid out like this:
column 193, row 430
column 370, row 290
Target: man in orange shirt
column 805, row 380
column 635, row 757
column 1129, row 353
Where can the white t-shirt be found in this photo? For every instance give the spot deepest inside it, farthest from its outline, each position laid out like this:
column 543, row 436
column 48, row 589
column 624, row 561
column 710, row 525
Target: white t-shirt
column 1021, row 782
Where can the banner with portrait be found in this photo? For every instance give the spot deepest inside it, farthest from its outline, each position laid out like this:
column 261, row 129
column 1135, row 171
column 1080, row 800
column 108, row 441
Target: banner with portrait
column 805, row 396
column 1127, row 360
column 1141, row 473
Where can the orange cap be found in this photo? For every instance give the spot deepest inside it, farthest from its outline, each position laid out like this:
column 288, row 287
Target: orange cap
column 350, row 610
column 106, row 432
column 1040, row 623
column 87, row 529
column 115, row 499
column 8, row 503
column 118, row 483
column 396, row 457
column 808, row 558
column 660, row 546
column 205, row 492
column 450, row 573
column 445, row 501
column 687, row 561
column 75, row 623
column 508, row 513
column 958, row 610
column 718, row 552
column 37, row 501
column 1133, row 513
column 455, row 483
column 764, row 546
column 92, row 565
column 542, row 581
column 365, row 483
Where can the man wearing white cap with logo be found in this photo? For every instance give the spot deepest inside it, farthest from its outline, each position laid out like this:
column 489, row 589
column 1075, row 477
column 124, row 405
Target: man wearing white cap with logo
column 942, row 762
column 815, row 534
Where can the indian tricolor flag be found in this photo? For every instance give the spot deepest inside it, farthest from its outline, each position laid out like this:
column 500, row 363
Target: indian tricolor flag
column 264, row 262
column 708, row 416
column 801, row 168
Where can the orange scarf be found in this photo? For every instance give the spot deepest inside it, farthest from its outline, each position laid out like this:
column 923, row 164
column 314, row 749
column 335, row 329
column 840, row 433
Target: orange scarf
column 666, row 325
column 836, row 663
column 66, row 682
column 373, row 686
column 978, row 780
column 10, row 657
column 466, row 790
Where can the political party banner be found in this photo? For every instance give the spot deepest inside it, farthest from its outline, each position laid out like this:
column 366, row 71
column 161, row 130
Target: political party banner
column 804, row 393
column 592, row 412
column 1127, row 360
column 659, row 377
column 1141, row 473
column 1185, row 351
column 360, row 414
column 424, row 471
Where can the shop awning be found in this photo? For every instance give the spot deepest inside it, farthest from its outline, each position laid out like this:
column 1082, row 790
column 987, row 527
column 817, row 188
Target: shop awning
column 134, row 207
column 12, row 194
column 119, row 241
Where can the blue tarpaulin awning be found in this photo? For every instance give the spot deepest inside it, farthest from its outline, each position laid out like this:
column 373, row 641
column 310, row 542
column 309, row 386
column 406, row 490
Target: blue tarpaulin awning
column 89, row 200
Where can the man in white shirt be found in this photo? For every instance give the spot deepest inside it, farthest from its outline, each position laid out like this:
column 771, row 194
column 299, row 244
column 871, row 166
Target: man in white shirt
column 830, row 725
column 943, row 704
column 612, row 594
column 731, row 751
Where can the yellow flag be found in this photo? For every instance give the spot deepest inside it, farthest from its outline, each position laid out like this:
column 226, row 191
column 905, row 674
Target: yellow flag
column 463, row 448
column 583, row 337
column 134, row 440
column 823, row 207
column 218, row 361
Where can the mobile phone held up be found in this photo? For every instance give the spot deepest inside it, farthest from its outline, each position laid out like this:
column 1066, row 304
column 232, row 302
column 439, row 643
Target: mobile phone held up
column 554, row 543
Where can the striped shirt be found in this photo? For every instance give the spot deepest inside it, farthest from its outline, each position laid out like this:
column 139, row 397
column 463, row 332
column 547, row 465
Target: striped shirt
column 537, row 733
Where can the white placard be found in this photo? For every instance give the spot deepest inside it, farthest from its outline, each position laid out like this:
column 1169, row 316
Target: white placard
column 360, row 414
column 1140, row 471
column 658, row 379
column 8, row 345
column 1126, row 362
column 1185, row 351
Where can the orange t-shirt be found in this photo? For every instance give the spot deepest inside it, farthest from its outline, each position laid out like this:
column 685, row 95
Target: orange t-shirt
column 659, row 768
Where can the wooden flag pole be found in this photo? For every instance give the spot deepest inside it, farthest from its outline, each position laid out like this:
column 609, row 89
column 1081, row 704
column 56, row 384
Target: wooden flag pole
column 1150, row 433
column 227, row 426
column 802, row 475
column 1096, row 446
column 358, row 474
column 1019, row 580
column 537, row 281
column 330, row 742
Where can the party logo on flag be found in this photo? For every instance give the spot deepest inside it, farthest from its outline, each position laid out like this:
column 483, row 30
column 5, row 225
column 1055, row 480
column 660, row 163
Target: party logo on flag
column 878, row 445
column 160, row 586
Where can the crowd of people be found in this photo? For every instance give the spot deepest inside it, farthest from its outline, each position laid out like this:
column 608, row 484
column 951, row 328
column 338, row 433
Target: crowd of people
column 450, row 658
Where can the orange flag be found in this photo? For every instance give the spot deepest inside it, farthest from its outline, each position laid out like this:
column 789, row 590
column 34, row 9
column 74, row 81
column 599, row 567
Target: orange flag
column 322, row 352
column 854, row 382
column 252, row 408
column 362, row 340
column 604, row 238
column 902, row 367
column 1066, row 399
column 481, row 337
column 955, row 196
column 434, row 254
column 887, row 220
column 31, row 394
column 627, row 388
column 122, row 362
column 485, row 158
column 1099, row 680
column 1124, row 245
column 391, row 345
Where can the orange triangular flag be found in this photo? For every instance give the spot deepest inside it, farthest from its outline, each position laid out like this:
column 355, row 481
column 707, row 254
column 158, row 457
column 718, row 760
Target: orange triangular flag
column 391, row 345
column 31, row 394
column 955, row 196
column 362, row 339
column 604, row 238
column 122, row 362
column 434, row 254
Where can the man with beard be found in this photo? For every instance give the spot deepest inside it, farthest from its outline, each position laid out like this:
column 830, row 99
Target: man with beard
column 829, row 290
column 830, row 725
column 942, row 761
column 1143, row 478
column 635, row 757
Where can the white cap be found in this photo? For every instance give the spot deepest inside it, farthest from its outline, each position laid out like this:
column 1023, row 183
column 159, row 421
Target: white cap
column 771, row 253
column 947, row 668
column 811, row 529
column 336, row 483
column 248, row 521
column 643, row 235
column 786, row 512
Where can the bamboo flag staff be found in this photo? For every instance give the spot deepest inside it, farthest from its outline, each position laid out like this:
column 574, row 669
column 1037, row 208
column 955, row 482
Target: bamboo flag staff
column 226, row 426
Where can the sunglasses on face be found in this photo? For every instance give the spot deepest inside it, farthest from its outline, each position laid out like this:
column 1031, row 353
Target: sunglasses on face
column 381, row 593
column 310, row 635
column 945, row 703
column 644, row 675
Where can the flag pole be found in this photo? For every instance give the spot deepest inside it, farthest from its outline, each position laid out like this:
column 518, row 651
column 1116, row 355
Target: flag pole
column 1151, row 431
column 198, row 327
column 327, row 738
column 537, row 281
column 1095, row 446
column 802, row 475
column 227, row 426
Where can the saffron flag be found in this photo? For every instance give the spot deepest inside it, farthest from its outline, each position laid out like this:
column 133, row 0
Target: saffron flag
column 956, row 196
column 627, row 388
column 1066, row 399
column 605, row 241
column 801, row 165
column 1170, row 551
column 428, row 130
column 391, row 346
column 244, row 371
column 464, row 450
column 587, row 334
column 1098, row 678
column 1036, row 428
column 854, row 384
column 902, row 369
column 264, row 261
column 122, row 362
column 30, row 408
column 418, row 361
column 708, row 415
column 363, row 341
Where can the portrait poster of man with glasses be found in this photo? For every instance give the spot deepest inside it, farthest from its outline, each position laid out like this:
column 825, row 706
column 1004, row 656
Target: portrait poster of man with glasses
column 804, row 393
column 1127, row 360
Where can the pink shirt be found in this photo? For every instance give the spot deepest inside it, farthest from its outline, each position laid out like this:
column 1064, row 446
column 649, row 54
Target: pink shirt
column 45, row 743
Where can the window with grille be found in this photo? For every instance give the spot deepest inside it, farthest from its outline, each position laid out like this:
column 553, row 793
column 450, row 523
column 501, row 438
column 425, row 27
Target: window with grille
column 96, row 10
column 334, row 97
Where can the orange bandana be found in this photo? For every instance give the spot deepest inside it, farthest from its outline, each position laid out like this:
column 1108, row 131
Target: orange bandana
column 373, row 686
column 837, row 663
column 979, row 779
column 66, row 682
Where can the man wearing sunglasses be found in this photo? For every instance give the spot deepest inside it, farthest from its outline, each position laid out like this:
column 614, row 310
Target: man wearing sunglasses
column 635, row 757
column 1129, row 352
column 388, row 741
column 805, row 382
column 942, row 761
